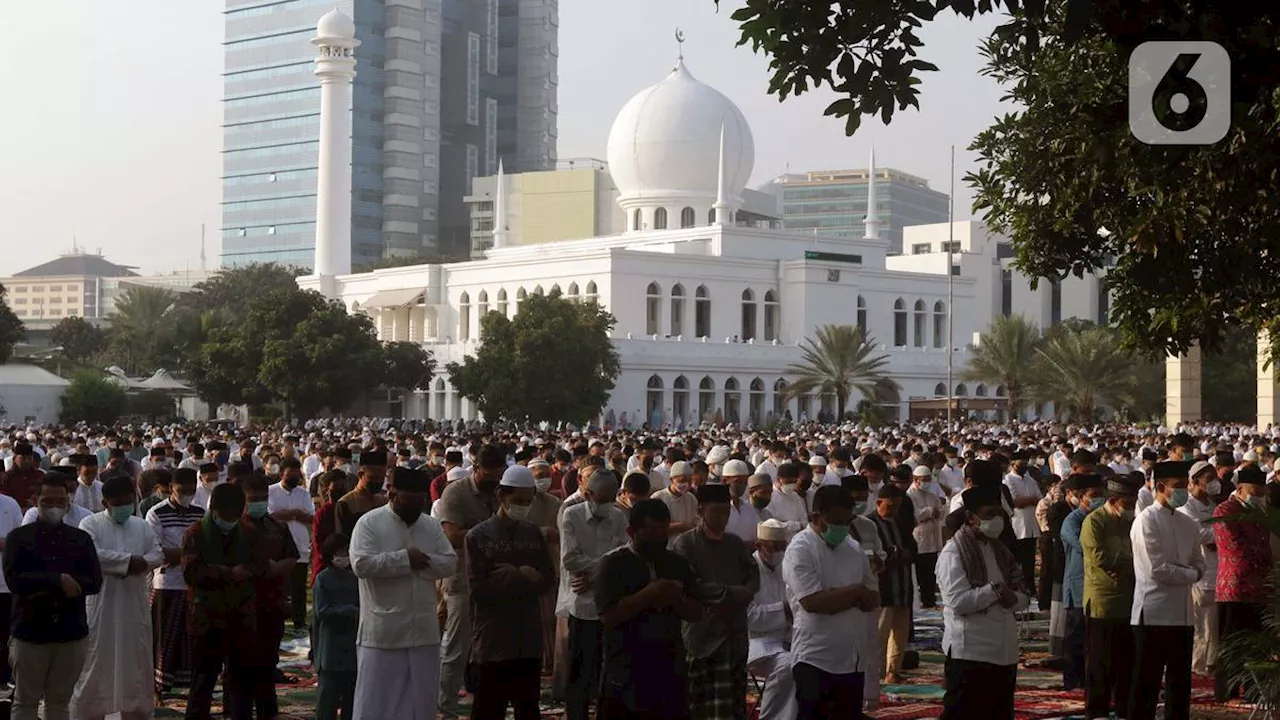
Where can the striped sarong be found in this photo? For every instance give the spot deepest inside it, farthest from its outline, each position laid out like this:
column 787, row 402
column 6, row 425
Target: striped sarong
column 174, row 649
column 717, row 685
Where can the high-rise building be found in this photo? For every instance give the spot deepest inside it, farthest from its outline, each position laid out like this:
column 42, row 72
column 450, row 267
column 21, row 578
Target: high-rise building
column 437, row 98
column 834, row 202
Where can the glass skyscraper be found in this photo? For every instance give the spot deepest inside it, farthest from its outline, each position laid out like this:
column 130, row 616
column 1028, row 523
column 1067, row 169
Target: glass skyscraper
column 422, row 123
column 834, row 202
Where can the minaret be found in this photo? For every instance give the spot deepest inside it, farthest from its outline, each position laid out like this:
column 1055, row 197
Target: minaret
column 723, row 213
column 871, row 224
column 500, row 210
column 336, row 67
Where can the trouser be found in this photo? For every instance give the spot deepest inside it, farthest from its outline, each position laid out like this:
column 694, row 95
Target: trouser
column 872, row 661
column 499, row 684
column 1161, row 653
column 1204, row 653
column 455, row 651
column 613, row 707
column 895, row 624
column 215, row 649
column 337, row 691
column 977, row 691
column 822, row 695
column 778, row 701
column 1073, row 653
column 1025, row 552
column 548, row 608
column 1108, row 663
column 1233, row 617
column 298, row 594
column 48, row 672
column 1048, row 572
column 926, row 575
column 256, row 684
column 585, row 647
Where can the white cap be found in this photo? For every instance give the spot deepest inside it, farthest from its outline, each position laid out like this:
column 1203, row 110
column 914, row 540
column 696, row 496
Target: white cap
column 735, row 468
column 680, row 468
column 456, row 474
column 538, row 462
column 518, row 476
column 922, row 471
column 1251, row 456
column 717, row 455
column 771, row 530
column 817, row 461
column 1197, row 468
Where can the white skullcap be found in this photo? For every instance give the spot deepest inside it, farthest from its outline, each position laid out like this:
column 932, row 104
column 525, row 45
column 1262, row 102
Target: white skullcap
column 922, row 471
column 771, row 530
column 538, row 462
column 735, row 468
column 1251, row 456
column 817, row 461
column 717, row 455
column 456, row 474
column 680, row 468
column 518, row 476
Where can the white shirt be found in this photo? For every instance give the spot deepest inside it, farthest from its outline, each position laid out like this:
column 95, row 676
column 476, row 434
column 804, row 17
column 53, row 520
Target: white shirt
column 10, row 518
column 312, row 466
column 743, row 520
column 1201, row 512
column 203, row 493
column 832, row 643
column 767, row 624
column 953, row 478
column 170, row 526
column 88, row 496
column 1024, row 519
column 975, row 626
column 788, row 506
column 280, row 498
column 928, row 529
column 684, row 507
column 1145, row 498
column 75, row 515
column 1166, row 563
column 1061, row 464
column 584, row 539
column 398, row 603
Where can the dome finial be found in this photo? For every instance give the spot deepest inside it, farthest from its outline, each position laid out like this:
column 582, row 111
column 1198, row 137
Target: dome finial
column 679, row 45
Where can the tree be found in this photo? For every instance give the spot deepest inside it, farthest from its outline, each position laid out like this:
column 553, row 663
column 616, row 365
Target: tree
column 837, row 361
column 92, row 398
column 138, row 334
column 553, row 361
column 1005, row 355
column 1080, row 371
column 78, row 338
column 407, row 365
column 12, row 331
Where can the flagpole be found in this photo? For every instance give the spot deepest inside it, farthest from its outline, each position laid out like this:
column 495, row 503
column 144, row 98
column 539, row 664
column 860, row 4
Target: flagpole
column 951, row 287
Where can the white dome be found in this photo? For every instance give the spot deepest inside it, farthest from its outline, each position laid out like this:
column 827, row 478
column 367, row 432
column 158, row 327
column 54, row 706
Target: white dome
column 665, row 144
column 336, row 23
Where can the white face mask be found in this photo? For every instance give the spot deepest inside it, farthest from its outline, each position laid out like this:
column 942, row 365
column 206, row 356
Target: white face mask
column 53, row 515
column 273, row 469
column 185, row 500
column 342, row 562
column 543, row 484
column 993, row 527
column 519, row 512
column 682, row 487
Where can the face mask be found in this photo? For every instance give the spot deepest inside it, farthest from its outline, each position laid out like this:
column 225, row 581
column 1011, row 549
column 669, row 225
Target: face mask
column 1253, row 502
column 409, row 515
column 519, row 512
column 992, row 528
column 952, row 462
column 1214, row 487
column 760, row 503
column 682, row 487
column 1126, row 515
column 860, row 507
column 342, row 562
column 835, row 534
column 185, row 500
column 273, row 469
column 788, row 488
column 346, row 468
column 121, row 513
column 1178, row 497
column 543, row 484
column 258, row 510
column 225, row 526
column 1072, row 502
column 599, row 510
column 1096, row 503
column 737, row 490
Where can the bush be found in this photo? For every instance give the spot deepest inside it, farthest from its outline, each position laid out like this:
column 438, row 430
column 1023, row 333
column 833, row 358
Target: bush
column 92, row 398
column 151, row 404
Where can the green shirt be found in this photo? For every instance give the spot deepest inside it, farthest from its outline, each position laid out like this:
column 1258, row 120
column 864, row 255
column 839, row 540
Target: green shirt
column 1108, row 565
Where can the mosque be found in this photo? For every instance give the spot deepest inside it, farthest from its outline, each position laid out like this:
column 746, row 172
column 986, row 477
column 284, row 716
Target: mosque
column 712, row 301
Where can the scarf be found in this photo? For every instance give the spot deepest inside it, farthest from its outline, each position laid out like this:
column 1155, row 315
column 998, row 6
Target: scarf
column 969, row 542
column 215, row 553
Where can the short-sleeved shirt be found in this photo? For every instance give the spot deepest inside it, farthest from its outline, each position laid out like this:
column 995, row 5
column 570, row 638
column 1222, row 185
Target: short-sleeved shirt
column 462, row 504
column 170, row 523
column 834, row 642
column 644, row 656
column 280, row 498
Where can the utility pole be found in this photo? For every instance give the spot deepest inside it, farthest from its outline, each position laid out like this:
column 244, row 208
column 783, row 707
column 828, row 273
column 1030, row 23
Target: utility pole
column 951, row 289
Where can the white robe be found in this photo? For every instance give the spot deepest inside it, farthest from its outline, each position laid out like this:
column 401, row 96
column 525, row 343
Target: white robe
column 118, row 673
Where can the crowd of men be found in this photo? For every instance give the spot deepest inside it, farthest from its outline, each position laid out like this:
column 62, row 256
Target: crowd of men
column 651, row 575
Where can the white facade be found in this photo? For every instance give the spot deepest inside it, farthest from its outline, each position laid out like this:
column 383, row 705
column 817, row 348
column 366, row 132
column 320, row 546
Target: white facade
column 710, row 316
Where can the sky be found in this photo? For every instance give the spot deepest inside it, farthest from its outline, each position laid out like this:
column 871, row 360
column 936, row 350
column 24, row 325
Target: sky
column 112, row 140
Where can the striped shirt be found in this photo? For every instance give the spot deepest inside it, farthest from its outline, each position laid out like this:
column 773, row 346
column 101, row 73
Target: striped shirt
column 170, row 523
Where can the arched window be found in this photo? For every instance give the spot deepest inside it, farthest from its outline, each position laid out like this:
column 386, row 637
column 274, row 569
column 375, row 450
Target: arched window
column 688, row 218
column 939, row 324
column 573, row 291
column 755, row 406
column 660, row 219
column 464, row 317
column 772, row 316
column 680, row 400
column 706, row 400
column 502, row 302
column 556, row 291
column 980, row 391
column 677, row 310
column 538, row 290
column 482, row 305
column 899, row 323
column 439, row 412
column 591, row 291
column 748, row 315
column 711, row 216
column 939, row 390
column 653, row 308
column 962, row 390
column 732, row 400
column 521, row 296
column 921, row 320
column 637, row 218
column 862, row 315
column 779, row 398
column 702, row 312
column 654, row 400
column 1000, row 391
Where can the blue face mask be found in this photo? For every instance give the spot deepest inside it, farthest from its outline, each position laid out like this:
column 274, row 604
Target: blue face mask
column 121, row 513
column 1178, row 497
column 258, row 510
column 1096, row 503
column 225, row 525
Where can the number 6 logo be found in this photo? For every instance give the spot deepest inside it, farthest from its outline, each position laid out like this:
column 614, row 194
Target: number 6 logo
column 1179, row 93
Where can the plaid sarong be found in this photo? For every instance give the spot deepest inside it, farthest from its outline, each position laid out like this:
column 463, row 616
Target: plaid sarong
column 717, row 687
column 174, row 648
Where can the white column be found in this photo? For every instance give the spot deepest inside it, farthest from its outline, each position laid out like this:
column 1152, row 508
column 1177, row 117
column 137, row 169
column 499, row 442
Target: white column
column 1182, row 388
column 395, row 324
column 336, row 67
column 1268, row 387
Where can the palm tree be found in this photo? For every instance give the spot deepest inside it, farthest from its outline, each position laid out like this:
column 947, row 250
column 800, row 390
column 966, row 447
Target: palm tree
column 838, row 360
column 1005, row 356
column 1082, row 370
column 137, row 321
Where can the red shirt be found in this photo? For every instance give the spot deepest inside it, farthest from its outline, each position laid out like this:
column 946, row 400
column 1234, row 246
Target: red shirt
column 1244, row 556
column 23, row 486
column 324, row 525
column 438, row 484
